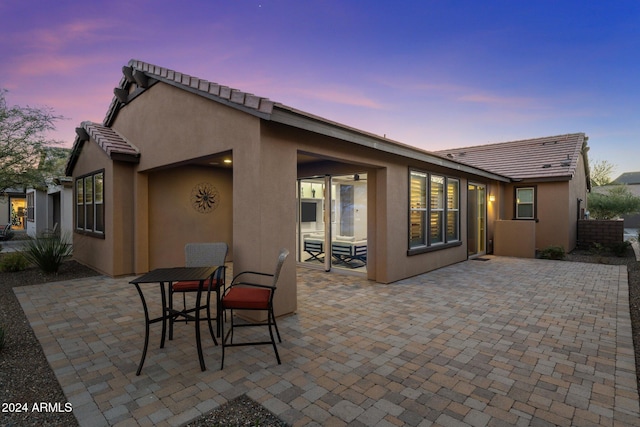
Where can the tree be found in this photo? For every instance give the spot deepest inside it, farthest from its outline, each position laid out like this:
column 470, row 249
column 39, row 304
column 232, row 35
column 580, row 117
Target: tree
column 616, row 201
column 600, row 172
column 25, row 153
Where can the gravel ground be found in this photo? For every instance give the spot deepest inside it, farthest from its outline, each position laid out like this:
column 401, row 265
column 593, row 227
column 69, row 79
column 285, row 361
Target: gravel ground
column 25, row 375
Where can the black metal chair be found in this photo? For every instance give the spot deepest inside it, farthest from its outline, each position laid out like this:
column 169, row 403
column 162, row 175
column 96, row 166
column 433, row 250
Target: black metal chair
column 200, row 255
column 248, row 295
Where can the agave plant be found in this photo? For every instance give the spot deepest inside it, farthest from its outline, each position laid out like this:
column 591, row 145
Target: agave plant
column 48, row 252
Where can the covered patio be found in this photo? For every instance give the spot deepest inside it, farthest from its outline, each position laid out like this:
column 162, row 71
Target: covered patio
column 504, row 341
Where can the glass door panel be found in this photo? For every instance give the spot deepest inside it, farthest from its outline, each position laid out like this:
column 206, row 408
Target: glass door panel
column 311, row 223
column 477, row 220
column 349, row 221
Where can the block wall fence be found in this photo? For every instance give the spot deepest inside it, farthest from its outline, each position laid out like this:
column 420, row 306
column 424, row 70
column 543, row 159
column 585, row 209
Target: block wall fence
column 605, row 232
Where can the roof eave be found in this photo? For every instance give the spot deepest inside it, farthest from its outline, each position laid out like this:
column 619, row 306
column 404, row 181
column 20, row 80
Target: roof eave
column 298, row 119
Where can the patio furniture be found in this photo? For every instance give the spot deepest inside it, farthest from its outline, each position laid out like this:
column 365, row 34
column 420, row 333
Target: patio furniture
column 168, row 276
column 315, row 248
column 350, row 254
column 248, row 295
column 199, row 255
column 5, row 232
column 51, row 232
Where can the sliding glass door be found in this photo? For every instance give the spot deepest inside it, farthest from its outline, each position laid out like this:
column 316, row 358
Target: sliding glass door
column 476, row 219
column 332, row 226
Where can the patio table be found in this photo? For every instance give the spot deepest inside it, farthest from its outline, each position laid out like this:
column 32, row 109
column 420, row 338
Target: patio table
column 165, row 277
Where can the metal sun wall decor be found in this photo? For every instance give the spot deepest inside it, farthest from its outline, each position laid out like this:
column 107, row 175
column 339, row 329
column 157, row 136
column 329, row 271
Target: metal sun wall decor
column 205, row 197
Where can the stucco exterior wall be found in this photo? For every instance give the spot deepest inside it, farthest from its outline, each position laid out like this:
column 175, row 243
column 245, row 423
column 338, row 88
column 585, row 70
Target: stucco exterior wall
column 553, row 215
column 90, row 250
column 515, row 238
column 170, row 126
column 174, row 222
column 388, row 193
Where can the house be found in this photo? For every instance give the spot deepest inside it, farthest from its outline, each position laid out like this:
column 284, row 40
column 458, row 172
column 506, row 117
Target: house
column 13, row 207
column 181, row 159
column 547, row 192
column 632, row 181
column 50, row 209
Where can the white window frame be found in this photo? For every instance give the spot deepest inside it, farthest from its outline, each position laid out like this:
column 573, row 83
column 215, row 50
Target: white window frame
column 522, row 203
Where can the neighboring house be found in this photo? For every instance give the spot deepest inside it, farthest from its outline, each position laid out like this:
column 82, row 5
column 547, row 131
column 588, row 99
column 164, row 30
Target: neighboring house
column 13, row 208
column 180, row 159
column 632, row 181
column 547, row 193
column 50, row 209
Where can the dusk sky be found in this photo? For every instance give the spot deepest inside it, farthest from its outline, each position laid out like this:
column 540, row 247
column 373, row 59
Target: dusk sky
column 432, row 74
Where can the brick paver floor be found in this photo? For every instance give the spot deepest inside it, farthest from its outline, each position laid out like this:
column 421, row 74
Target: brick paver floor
column 501, row 342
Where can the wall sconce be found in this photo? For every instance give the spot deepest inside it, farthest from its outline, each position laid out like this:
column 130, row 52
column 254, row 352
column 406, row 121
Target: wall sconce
column 492, row 198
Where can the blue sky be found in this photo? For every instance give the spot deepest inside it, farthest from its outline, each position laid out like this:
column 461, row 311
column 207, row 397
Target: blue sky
column 432, row 74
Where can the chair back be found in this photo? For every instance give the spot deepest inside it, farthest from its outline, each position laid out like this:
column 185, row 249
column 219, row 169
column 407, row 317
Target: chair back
column 205, row 254
column 284, row 253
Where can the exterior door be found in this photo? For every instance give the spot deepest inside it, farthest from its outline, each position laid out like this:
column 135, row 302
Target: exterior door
column 477, row 220
column 332, row 225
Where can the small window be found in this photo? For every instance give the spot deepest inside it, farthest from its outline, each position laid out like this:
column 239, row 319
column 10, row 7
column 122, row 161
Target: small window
column 31, row 207
column 90, row 203
column 525, row 203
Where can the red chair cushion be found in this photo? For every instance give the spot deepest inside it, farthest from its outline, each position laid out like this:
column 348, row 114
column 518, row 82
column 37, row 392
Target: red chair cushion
column 247, row 298
column 192, row 286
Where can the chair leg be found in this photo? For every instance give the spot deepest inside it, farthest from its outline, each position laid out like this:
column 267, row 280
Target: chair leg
column 273, row 317
column 213, row 335
column 171, row 311
column 224, row 337
column 273, row 341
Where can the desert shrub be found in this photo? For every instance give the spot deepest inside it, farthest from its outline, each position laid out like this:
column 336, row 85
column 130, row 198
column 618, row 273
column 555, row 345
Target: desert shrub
column 597, row 248
column 552, row 252
column 14, row 261
column 620, row 249
column 48, row 253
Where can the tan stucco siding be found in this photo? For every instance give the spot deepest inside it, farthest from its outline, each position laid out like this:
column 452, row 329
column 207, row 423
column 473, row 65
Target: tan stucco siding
column 264, row 211
column 95, row 251
column 169, row 126
column 174, row 222
column 388, row 217
column 553, row 215
column 119, row 226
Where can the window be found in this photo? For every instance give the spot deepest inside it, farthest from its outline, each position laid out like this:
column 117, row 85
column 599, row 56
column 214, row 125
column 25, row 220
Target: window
column 437, row 222
column 525, row 203
column 31, row 207
column 90, row 203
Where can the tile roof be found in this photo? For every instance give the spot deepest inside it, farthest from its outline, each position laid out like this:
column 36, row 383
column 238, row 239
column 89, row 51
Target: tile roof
column 113, row 144
column 552, row 157
column 519, row 159
column 110, row 141
column 628, row 178
column 224, row 94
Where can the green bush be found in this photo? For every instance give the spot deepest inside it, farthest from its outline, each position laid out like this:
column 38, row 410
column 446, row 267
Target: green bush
column 552, row 252
column 597, row 248
column 48, row 253
column 14, row 261
column 620, row 249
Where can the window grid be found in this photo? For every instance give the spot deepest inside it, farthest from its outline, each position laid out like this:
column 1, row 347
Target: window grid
column 525, row 203
column 442, row 211
column 90, row 203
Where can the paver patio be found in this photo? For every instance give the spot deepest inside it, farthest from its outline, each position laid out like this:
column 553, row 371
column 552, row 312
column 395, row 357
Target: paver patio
column 502, row 342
